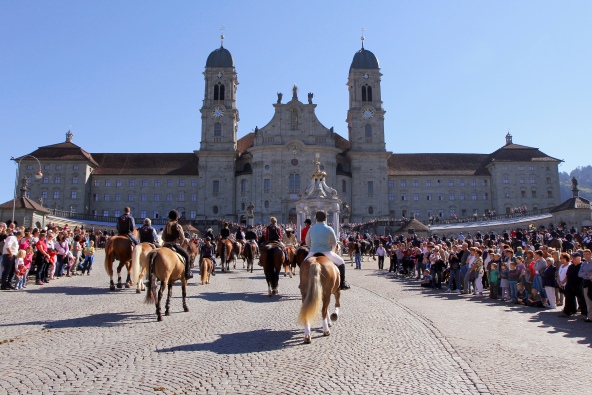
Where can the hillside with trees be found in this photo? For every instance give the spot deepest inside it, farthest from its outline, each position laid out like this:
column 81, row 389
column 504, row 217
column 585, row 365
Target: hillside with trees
column 584, row 177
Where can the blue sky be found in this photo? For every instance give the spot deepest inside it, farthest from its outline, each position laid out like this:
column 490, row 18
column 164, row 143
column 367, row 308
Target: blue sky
column 126, row 76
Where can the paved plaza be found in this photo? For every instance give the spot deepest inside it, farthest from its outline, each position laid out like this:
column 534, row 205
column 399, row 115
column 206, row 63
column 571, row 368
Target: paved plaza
column 73, row 336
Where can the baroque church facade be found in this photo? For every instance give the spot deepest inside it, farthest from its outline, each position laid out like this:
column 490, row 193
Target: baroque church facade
column 271, row 166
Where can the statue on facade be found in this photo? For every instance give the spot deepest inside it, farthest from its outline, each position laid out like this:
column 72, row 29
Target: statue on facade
column 310, row 96
column 294, row 92
column 574, row 183
column 251, row 210
column 346, row 211
column 279, row 97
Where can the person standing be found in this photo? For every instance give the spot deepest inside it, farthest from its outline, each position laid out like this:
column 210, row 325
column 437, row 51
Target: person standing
column 573, row 287
column 549, row 276
column 304, row 231
column 89, row 258
column 381, row 252
column 11, row 248
column 585, row 274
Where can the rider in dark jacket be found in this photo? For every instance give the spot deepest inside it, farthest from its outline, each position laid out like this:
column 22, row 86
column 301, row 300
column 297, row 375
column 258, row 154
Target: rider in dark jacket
column 148, row 233
column 126, row 225
column 173, row 236
column 207, row 251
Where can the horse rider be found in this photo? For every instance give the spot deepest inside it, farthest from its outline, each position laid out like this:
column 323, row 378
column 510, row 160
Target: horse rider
column 207, row 251
column 210, row 233
column 225, row 232
column 289, row 240
column 321, row 238
column 173, row 237
column 126, row 225
column 239, row 236
column 304, row 231
column 148, row 233
column 273, row 233
column 251, row 237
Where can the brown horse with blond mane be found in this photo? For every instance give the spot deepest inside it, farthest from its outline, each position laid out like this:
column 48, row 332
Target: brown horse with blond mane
column 119, row 248
column 205, row 270
column 224, row 251
column 319, row 279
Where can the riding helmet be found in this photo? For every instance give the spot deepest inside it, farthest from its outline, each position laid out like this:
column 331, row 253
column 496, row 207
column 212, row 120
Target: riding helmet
column 173, row 215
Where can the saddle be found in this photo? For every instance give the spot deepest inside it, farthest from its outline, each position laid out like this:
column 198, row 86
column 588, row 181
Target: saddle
column 172, row 248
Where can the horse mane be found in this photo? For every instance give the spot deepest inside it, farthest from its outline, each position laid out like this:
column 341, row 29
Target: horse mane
column 318, row 255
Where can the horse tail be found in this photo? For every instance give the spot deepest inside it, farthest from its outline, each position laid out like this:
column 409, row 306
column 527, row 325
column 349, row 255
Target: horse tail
column 314, row 290
column 109, row 249
column 151, row 290
column 136, row 265
column 224, row 253
column 203, row 270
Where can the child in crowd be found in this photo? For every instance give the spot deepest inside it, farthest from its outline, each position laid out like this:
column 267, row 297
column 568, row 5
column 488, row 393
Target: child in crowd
column 521, row 295
column 504, row 282
column 493, row 281
column 534, row 300
column 28, row 261
column 427, row 279
column 513, row 281
column 89, row 257
column 20, row 271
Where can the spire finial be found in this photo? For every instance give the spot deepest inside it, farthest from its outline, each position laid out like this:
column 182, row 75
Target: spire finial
column 362, row 29
column 222, row 29
column 69, row 135
column 508, row 137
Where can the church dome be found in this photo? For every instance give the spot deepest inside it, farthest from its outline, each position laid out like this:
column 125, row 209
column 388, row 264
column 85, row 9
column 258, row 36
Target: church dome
column 364, row 59
column 220, row 57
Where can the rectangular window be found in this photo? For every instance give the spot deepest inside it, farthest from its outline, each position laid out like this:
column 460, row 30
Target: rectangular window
column 391, row 197
column 451, row 196
column 462, row 196
column 403, row 183
column 506, row 193
column 96, row 197
column 169, row 197
column 117, row 213
column 474, row 196
column 439, row 183
column 440, row 196
column 391, row 183
column 46, row 167
column 75, row 167
column 548, row 180
column 181, row 183
column 484, row 183
column 192, row 214
column 144, row 198
column 58, row 167
column 452, row 212
column 521, row 180
column 117, row 197
column 429, row 213
column 46, row 180
column 370, row 188
column 74, row 180
column 143, row 213
column 450, row 183
column 169, row 183
column 461, row 183
column 181, row 197
column 193, row 183
column 429, row 196
column 485, row 196
column 130, row 197
column 428, row 183
column 105, row 213
column 416, row 196
column 29, row 167
column 533, row 193
column 415, row 183
column 549, row 194
column 416, row 213
column 106, row 197
column 216, row 187
column 73, row 195
column 504, row 167
column 523, row 194
column 156, row 183
column 532, row 180
column 194, row 197
column 117, row 183
column 144, row 183
column 403, row 196
column 506, row 181
column 57, row 180
column 107, row 183
column 473, row 183
column 155, row 214
column 531, row 168
column 56, row 194
column 44, row 194
column 132, row 183
column 156, row 197
column 520, row 167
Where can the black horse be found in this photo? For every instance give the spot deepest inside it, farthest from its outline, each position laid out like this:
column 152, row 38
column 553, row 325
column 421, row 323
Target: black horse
column 272, row 258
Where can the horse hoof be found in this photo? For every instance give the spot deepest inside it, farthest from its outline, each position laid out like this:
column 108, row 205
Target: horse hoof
column 186, row 309
column 127, row 285
column 275, row 292
column 306, row 339
column 285, row 274
column 167, row 313
column 326, row 333
column 138, row 291
column 111, row 287
column 334, row 317
column 159, row 318
column 119, row 285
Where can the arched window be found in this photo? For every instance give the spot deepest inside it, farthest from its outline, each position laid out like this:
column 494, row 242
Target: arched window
column 221, row 91
column 215, row 209
column 266, row 204
column 243, row 186
column 364, row 97
column 294, row 184
column 217, row 132
column 370, row 210
column 368, row 132
column 294, row 119
column 218, row 91
column 343, row 186
column 369, row 93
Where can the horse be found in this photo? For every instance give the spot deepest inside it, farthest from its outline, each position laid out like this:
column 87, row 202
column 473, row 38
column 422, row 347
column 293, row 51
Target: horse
column 288, row 263
column 236, row 253
column 249, row 255
column 205, row 269
column 191, row 249
column 300, row 255
column 319, row 279
column 165, row 265
column 272, row 258
column 120, row 248
column 139, row 261
column 224, row 251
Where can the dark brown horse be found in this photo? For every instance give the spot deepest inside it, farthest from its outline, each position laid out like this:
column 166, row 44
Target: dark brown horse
column 165, row 265
column 191, row 248
column 224, row 251
column 119, row 248
column 272, row 258
column 300, row 255
column 291, row 251
column 249, row 255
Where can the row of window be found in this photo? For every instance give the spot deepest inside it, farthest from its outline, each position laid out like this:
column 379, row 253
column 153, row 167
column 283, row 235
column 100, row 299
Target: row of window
column 143, row 197
column 47, row 167
column 440, row 183
column 440, row 196
column 530, row 168
column 144, row 183
column 522, row 180
column 143, row 213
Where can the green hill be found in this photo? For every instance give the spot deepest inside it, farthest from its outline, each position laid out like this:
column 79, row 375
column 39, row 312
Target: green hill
column 584, row 177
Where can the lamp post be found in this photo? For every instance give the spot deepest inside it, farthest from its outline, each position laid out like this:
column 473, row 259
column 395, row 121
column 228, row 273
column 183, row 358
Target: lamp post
column 38, row 176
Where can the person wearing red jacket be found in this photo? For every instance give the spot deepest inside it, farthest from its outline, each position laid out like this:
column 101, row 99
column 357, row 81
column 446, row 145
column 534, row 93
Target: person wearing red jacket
column 304, row 231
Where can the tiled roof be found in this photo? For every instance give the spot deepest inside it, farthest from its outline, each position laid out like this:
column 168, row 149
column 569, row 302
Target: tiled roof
column 437, row 164
column 341, row 143
column 149, row 164
column 413, row 224
column 62, row 151
column 246, row 142
column 571, row 203
column 520, row 153
column 26, row 203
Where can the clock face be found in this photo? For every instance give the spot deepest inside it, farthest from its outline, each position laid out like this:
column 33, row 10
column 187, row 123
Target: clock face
column 366, row 76
column 367, row 113
column 218, row 112
column 219, row 75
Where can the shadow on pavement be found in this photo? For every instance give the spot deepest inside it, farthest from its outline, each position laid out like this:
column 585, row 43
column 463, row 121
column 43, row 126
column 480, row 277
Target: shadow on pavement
column 73, row 290
column 244, row 342
column 95, row 320
column 251, row 297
